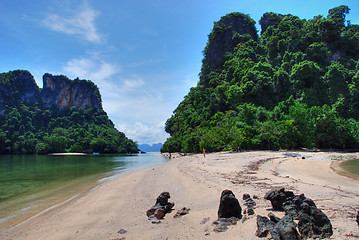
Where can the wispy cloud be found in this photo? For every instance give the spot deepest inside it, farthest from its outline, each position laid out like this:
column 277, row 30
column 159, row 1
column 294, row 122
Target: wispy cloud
column 79, row 22
column 89, row 68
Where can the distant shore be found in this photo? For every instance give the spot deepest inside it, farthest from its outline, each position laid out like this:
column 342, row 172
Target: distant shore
column 66, row 154
column 196, row 182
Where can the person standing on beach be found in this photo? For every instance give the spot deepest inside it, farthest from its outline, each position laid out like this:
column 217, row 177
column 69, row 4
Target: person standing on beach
column 204, row 152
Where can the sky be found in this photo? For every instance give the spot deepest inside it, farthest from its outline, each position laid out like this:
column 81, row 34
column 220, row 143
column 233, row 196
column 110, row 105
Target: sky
column 144, row 55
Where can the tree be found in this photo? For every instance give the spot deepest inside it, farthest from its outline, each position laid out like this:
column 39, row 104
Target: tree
column 338, row 14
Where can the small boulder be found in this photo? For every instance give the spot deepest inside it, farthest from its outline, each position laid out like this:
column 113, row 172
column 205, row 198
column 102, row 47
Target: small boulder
column 161, row 207
column 358, row 218
column 181, row 212
column 278, row 197
column 313, row 223
column 229, row 206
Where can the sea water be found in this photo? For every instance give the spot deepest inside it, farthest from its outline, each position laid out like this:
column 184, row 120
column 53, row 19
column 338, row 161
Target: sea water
column 352, row 167
column 30, row 184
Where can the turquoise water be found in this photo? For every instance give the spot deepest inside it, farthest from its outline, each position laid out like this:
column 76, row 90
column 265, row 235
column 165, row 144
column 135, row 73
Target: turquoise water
column 351, row 166
column 32, row 183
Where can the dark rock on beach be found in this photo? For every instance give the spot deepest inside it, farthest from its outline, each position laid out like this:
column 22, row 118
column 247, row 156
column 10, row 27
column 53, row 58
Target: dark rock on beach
column 358, row 218
column 229, row 211
column 278, row 197
column 161, row 207
column 249, row 203
column 181, row 212
column 313, row 223
column 229, row 206
column 280, row 229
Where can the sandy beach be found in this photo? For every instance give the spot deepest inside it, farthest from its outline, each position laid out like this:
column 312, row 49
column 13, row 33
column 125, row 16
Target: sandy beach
column 196, row 182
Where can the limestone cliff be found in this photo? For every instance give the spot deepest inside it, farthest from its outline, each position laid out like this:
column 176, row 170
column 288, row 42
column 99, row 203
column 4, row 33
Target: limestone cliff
column 15, row 86
column 61, row 92
column 19, row 87
column 226, row 34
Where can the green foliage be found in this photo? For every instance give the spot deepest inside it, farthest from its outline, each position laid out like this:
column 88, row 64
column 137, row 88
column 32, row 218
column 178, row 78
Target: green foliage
column 30, row 129
column 297, row 86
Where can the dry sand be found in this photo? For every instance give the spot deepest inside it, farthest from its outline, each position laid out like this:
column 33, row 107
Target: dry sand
column 196, row 182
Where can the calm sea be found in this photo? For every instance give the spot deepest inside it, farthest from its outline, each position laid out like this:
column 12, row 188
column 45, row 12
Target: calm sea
column 351, row 166
column 30, row 184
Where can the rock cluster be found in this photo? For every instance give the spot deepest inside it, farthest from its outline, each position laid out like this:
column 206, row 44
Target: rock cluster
column 312, row 222
column 249, row 203
column 161, row 208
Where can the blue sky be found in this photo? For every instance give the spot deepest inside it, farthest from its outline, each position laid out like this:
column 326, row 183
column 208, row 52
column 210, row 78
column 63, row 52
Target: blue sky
column 144, row 55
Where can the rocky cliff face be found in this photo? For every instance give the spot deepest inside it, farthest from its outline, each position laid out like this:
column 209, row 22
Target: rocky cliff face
column 61, row 92
column 18, row 85
column 58, row 91
column 226, row 34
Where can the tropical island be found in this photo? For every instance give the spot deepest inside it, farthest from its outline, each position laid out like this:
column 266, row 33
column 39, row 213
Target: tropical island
column 64, row 116
column 258, row 101
column 294, row 86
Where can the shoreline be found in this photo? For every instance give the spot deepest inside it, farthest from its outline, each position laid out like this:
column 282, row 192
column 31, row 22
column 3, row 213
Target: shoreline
column 336, row 166
column 196, row 182
column 25, row 206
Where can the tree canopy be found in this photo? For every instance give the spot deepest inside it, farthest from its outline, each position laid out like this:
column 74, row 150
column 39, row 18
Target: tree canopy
column 295, row 86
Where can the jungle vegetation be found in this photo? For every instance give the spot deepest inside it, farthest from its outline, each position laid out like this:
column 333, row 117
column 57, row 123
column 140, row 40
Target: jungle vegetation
column 294, row 86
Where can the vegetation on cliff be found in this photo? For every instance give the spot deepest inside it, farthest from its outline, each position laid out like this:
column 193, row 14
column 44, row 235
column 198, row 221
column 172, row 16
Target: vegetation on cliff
column 295, row 86
column 72, row 120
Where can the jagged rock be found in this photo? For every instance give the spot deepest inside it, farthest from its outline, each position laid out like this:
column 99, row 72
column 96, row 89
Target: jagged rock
column 313, row 223
column 250, row 203
column 229, row 206
column 358, row 218
column 161, row 207
column 264, row 226
column 280, row 229
column 181, row 212
column 278, row 197
column 287, row 229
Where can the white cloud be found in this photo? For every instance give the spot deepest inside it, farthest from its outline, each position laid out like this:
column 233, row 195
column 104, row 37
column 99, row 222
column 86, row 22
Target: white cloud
column 80, row 22
column 91, row 69
column 144, row 133
column 133, row 83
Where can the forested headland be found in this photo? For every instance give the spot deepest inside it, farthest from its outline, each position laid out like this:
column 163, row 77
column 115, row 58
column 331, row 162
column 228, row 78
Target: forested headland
column 64, row 116
column 294, row 86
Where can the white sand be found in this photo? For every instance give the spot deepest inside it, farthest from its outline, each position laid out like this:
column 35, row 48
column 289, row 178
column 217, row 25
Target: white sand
column 196, row 183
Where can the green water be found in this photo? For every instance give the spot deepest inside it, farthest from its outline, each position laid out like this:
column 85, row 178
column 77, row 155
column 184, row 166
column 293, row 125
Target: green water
column 351, row 166
column 32, row 183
